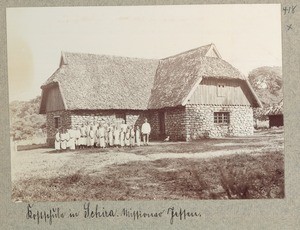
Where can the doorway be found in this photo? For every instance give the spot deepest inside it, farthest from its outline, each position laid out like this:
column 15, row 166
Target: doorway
column 162, row 127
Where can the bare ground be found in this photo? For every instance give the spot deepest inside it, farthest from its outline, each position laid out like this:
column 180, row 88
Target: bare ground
column 198, row 170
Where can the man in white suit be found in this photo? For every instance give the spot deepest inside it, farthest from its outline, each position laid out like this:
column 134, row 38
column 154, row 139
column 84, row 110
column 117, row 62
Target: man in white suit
column 146, row 129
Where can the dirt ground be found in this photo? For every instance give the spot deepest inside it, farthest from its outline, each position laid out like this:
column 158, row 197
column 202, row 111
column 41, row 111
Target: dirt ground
column 47, row 164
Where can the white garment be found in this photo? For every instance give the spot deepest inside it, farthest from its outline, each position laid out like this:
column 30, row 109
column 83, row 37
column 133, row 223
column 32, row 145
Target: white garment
column 57, row 141
column 124, row 127
column 71, row 142
column 138, row 137
column 146, row 129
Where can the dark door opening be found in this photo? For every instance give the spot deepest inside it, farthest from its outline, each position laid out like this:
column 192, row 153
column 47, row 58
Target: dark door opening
column 162, row 128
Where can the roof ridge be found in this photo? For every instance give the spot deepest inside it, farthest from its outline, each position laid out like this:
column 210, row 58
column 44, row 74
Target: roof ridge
column 236, row 69
column 209, row 45
column 108, row 55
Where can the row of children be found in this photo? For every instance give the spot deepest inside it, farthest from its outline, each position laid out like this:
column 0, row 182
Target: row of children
column 101, row 135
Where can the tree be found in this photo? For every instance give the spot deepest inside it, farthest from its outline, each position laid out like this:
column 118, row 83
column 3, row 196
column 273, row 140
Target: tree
column 25, row 121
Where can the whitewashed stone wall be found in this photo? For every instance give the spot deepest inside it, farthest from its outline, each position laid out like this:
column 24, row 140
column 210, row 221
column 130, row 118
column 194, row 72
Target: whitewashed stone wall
column 200, row 121
column 86, row 117
column 70, row 119
column 107, row 117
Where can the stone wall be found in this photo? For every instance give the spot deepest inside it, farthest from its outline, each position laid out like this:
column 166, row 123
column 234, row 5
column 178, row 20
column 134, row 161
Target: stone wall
column 106, row 116
column 136, row 118
column 175, row 122
column 181, row 123
column 152, row 116
column 65, row 122
column 174, row 125
column 71, row 119
column 199, row 121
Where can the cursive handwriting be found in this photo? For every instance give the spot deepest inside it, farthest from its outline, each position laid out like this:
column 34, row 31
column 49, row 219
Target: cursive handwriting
column 137, row 214
column 97, row 212
column 91, row 211
column 47, row 216
column 181, row 214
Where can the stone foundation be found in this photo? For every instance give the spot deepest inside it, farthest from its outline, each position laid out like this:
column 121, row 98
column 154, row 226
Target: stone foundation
column 200, row 121
column 181, row 123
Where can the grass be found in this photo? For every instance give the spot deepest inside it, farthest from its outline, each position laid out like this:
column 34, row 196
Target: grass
column 230, row 177
column 30, row 147
column 93, row 174
column 204, row 145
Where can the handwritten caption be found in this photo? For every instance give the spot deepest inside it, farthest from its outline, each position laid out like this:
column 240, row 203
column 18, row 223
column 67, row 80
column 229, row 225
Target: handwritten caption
column 90, row 211
column 289, row 10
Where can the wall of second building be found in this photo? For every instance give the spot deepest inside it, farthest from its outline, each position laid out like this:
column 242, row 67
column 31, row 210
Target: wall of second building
column 222, row 92
column 173, row 126
column 175, row 122
column 200, row 121
column 173, row 119
column 275, row 120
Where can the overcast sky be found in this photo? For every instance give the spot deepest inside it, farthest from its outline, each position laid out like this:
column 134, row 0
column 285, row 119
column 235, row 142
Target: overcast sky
column 247, row 36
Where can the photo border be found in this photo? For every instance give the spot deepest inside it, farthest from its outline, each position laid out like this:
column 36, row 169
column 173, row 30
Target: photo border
column 215, row 214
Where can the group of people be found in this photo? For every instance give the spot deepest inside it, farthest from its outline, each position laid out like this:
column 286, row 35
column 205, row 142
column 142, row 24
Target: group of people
column 102, row 136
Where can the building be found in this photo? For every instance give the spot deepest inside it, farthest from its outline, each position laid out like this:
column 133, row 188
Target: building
column 187, row 96
column 275, row 115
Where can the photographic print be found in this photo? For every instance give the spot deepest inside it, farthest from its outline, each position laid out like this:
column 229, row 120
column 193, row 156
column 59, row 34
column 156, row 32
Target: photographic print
column 181, row 102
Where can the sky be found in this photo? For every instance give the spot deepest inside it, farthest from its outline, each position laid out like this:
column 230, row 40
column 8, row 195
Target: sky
column 246, row 36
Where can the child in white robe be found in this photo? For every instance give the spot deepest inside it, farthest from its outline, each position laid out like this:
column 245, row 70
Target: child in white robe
column 71, row 139
column 88, row 139
column 95, row 128
column 83, row 136
column 138, row 136
column 77, row 137
column 132, row 136
column 57, row 141
column 116, row 137
column 67, row 137
column 91, row 137
column 127, row 137
column 110, row 136
column 63, row 140
column 106, row 136
column 122, row 138
column 102, row 136
column 97, row 137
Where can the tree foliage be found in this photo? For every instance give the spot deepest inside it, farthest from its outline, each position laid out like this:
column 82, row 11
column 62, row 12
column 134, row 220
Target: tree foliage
column 25, row 120
column 267, row 84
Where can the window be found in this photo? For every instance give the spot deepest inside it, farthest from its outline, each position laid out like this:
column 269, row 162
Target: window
column 221, row 90
column 56, row 122
column 221, row 117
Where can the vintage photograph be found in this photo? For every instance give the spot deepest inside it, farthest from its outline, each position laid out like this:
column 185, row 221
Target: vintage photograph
column 181, row 102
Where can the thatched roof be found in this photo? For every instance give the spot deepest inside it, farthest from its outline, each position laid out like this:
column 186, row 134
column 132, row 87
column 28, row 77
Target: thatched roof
column 89, row 81
column 275, row 109
column 177, row 75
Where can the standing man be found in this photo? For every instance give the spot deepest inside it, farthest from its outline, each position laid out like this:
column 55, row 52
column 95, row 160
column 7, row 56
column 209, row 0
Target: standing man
column 146, row 129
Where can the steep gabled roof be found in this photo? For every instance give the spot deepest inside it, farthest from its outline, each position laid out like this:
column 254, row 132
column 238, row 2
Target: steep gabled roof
column 178, row 75
column 89, row 81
